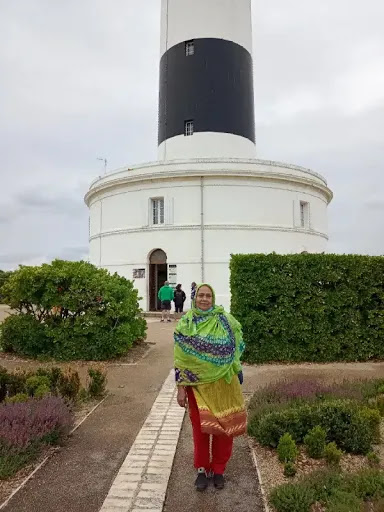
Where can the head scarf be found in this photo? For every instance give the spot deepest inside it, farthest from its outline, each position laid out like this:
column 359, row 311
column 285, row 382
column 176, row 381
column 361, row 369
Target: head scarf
column 208, row 345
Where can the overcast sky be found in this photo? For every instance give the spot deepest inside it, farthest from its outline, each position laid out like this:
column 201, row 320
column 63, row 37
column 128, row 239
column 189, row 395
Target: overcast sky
column 79, row 79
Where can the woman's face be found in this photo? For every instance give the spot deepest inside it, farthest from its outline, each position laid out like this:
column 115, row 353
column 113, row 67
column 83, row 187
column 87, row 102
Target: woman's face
column 204, row 298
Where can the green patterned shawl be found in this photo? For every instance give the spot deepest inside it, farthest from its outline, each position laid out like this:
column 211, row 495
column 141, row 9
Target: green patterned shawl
column 208, row 346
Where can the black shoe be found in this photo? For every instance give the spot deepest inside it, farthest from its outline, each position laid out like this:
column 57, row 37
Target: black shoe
column 218, row 481
column 201, row 482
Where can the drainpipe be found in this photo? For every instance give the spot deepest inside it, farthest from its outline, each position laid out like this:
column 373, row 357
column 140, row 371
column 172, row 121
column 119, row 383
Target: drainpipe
column 202, row 228
column 101, row 231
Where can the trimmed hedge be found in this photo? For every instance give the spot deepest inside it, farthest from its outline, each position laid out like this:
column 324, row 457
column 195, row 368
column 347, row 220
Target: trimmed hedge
column 309, row 307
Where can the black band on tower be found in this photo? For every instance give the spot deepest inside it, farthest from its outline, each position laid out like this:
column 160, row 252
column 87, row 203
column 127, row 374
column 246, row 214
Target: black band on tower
column 213, row 88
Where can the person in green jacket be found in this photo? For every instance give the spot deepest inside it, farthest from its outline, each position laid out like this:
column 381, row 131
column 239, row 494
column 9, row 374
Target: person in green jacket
column 165, row 296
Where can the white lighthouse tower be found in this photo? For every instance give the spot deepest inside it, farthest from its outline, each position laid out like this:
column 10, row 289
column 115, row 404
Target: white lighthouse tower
column 207, row 196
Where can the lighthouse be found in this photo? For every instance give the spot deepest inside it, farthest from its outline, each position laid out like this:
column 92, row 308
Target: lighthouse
column 206, row 80
column 207, row 196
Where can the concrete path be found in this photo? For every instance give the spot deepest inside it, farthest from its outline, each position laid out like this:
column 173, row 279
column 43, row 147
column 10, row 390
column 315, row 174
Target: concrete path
column 241, row 493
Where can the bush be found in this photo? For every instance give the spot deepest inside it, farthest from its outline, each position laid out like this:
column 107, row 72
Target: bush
column 42, row 391
column 17, row 399
column 315, row 442
column 309, row 307
column 97, row 383
column 332, row 454
column 24, row 427
column 35, row 382
column 289, row 469
column 287, row 449
column 352, row 426
column 68, row 384
column 373, row 458
column 70, row 310
column 292, row 498
column 342, row 501
column 4, row 276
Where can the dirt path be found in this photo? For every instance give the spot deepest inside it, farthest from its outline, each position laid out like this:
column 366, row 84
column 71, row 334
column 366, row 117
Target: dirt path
column 78, row 478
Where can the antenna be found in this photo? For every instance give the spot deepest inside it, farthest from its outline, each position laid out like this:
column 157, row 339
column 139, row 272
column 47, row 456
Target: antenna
column 105, row 161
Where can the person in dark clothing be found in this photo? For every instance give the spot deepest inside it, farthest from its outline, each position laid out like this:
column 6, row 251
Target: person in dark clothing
column 193, row 292
column 179, row 299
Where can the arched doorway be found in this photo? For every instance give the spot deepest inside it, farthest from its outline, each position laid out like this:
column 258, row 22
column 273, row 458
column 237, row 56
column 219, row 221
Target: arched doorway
column 158, row 274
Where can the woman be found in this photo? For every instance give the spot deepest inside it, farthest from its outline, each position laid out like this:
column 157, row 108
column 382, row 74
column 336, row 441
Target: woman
column 179, row 299
column 208, row 347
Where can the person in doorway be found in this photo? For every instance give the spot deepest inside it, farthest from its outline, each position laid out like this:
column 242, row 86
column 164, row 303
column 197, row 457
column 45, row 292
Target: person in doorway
column 179, row 299
column 165, row 296
column 193, row 292
column 207, row 351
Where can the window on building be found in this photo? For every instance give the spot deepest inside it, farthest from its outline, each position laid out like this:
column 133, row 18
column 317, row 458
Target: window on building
column 158, row 210
column 304, row 214
column 188, row 128
column 190, row 48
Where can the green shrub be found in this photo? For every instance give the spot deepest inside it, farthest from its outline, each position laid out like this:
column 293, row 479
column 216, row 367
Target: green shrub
column 352, row 426
column 70, row 310
column 373, row 458
column 16, row 382
column 379, row 403
column 42, row 391
column 315, row 442
column 287, row 449
column 10, row 463
column 342, row 501
column 97, row 383
column 366, row 484
column 332, row 453
column 17, row 399
column 23, row 334
column 289, row 469
column 309, row 307
column 35, row 382
column 324, row 483
column 337, row 491
column 296, row 420
column 292, row 498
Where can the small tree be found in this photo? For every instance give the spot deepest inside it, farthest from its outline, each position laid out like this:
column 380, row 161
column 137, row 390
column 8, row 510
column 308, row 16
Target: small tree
column 71, row 310
column 287, row 449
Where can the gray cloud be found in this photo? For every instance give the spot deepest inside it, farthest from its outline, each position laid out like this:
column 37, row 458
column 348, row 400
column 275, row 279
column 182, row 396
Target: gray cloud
column 79, row 81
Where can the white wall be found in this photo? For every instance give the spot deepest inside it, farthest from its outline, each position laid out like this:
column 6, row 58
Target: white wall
column 206, row 145
column 182, row 20
column 242, row 214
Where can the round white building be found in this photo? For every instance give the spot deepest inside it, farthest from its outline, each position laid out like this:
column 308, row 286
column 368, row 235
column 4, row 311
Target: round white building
column 207, row 196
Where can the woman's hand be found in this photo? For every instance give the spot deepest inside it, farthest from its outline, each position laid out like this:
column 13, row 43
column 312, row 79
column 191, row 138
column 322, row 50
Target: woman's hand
column 181, row 396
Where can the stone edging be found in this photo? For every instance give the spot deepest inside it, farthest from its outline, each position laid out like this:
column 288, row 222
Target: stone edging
column 141, row 484
column 262, row 491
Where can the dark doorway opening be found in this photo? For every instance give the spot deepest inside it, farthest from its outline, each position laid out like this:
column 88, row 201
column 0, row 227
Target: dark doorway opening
column 158, row 274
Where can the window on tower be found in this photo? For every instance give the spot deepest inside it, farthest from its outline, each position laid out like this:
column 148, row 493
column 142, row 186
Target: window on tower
column 158, row 210
column 188, row 128
column 304, row 214
column 190, row 48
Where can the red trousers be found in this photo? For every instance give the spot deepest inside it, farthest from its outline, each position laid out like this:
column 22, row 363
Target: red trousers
column 221, row 445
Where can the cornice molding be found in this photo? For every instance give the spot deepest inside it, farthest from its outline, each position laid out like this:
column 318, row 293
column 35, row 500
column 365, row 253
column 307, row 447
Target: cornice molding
column 209, row 227
column 256, row 174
